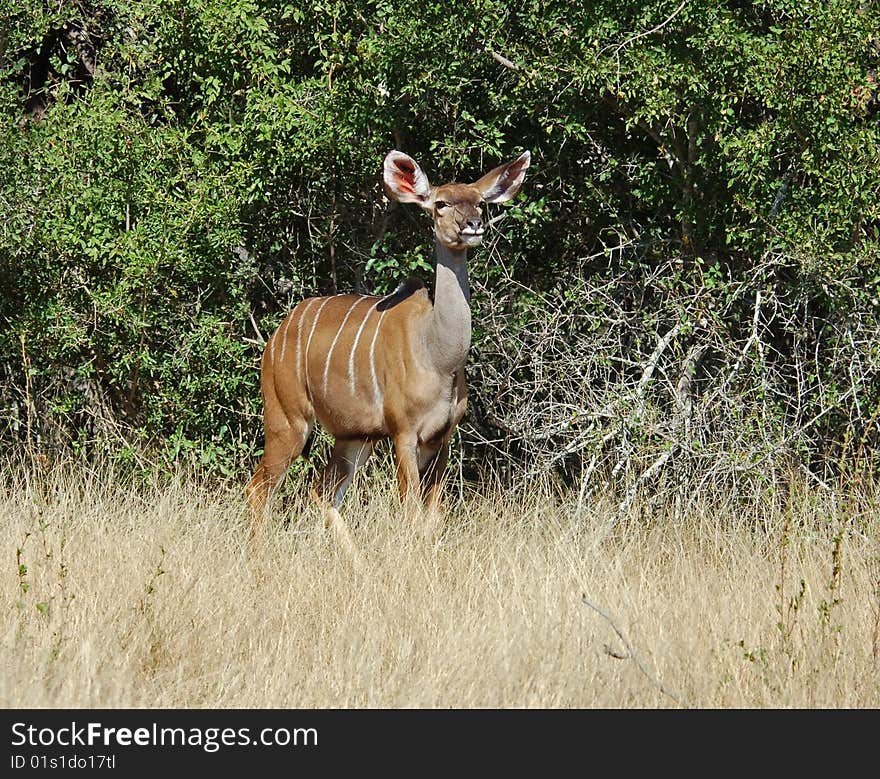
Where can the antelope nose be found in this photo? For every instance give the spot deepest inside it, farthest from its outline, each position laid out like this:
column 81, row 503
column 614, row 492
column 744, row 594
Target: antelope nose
column 475, row 225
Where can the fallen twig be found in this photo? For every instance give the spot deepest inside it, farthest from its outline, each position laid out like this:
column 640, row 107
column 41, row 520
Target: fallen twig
column 632, row 654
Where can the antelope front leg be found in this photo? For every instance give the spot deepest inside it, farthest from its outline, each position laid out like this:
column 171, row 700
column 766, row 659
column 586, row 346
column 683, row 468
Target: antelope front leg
column 432, row 465
column 406, row 449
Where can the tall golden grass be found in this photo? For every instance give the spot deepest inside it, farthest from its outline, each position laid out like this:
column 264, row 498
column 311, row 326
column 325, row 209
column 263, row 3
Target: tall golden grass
column 150, row 595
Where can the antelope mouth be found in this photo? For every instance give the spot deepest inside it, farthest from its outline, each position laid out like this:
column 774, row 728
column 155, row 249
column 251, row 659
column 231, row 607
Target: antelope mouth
column 471, row 236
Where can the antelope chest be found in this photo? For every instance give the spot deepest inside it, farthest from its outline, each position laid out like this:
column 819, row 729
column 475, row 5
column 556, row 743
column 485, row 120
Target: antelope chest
column 442, row 409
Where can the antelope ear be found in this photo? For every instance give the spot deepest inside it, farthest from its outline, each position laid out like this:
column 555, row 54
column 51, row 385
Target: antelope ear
column 504, row 182
column 405, row 181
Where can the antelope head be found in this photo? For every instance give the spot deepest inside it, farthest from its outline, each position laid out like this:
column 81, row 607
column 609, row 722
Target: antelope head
column 457, row 209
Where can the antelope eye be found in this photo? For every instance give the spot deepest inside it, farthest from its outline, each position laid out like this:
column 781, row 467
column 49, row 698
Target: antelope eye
column 440, row 205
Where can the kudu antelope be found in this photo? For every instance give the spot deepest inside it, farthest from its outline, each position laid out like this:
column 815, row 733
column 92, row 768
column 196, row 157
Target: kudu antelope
column 381, row 367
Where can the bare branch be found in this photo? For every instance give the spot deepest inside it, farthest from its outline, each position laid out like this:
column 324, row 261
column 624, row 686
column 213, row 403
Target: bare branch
column 500, row 58
column 646, row 476
column 659, row 27
column 650, row 367
column 260, row 340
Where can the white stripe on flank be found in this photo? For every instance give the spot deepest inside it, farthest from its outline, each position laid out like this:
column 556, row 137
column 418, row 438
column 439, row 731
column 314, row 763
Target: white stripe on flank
column 354, row 347
column 272, row 348
column 377, row 394
column 309, row 342
column 299, row 337
column 284, row 337
column 335, row 339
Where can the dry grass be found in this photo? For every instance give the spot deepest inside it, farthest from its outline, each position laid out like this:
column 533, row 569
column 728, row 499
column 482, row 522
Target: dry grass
column 151, row 597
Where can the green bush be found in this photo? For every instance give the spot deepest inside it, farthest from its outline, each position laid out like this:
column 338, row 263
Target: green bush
column 176, row 175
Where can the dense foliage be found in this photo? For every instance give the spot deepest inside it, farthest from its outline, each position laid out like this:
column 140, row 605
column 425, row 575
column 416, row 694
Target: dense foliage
column 691, row 274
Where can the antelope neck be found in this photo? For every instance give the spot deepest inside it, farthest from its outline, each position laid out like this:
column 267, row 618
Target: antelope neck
column 448, row 336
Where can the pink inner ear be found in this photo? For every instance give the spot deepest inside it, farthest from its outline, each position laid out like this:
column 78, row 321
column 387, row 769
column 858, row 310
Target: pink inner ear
column 406, row 178
column 513, row 172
